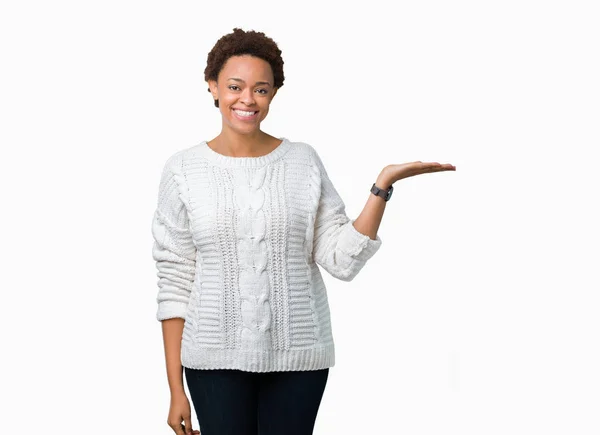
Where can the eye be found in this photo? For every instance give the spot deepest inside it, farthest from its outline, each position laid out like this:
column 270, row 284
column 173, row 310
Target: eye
column 233, row 86
column 265, row 91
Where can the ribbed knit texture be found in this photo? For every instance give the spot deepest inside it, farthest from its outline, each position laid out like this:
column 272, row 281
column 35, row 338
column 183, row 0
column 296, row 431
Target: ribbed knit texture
column 237, row 241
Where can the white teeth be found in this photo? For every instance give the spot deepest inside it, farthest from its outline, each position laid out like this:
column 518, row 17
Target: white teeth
column 243, row 113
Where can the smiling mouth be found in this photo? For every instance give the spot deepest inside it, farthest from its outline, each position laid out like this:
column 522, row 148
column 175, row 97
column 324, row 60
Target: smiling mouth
column 245, row 113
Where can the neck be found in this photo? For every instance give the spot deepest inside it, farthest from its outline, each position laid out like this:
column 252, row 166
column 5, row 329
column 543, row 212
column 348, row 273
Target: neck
column 233, row 144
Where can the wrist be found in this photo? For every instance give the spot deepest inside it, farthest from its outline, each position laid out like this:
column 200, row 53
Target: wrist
column 177, row 392
column 384, row 181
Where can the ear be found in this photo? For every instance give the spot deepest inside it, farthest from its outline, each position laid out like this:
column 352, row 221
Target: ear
column 212, row 87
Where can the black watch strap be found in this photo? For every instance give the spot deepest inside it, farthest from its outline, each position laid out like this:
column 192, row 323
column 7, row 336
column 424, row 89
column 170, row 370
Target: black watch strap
column 385, row 194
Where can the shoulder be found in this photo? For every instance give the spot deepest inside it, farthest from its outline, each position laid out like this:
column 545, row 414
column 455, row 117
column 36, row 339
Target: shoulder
column 174, row 165
column 306, row 153
column 175, row 161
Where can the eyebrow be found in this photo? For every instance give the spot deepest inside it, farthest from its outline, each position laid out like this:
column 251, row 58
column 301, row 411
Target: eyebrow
column 257, row 83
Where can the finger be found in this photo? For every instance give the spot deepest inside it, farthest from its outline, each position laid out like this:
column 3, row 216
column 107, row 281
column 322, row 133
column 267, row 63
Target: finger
column 427, row 167
column 175, row 427
column 179, row 430
column 188, row 425
column 437, row 170
column 435, row 166
column 446, row 167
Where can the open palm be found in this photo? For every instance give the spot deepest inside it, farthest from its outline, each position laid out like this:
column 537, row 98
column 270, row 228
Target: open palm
column 395, row 172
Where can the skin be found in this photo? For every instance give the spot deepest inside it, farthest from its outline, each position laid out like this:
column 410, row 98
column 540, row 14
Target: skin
column 369, row 219
column 254, row 91
column 247, row 83
column 179, row 409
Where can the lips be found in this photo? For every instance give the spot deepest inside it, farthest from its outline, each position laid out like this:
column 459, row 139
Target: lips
column 245, row 111
column 244, row 114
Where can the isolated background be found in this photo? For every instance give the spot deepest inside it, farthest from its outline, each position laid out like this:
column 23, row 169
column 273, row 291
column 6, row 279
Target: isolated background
column 483, row 300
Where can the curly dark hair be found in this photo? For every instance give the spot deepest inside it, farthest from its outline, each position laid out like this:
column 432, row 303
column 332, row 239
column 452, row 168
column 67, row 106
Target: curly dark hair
column 241, row 42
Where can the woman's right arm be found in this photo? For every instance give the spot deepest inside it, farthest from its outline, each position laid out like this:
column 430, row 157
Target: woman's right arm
column 180, row 410
column 172, row 330
column 175, row 254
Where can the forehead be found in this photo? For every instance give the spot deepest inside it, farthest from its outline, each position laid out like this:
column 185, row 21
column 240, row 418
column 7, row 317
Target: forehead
column 247, row 67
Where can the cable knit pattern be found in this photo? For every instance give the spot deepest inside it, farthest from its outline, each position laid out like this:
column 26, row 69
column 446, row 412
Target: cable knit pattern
column 249, row 198
column 237, row 241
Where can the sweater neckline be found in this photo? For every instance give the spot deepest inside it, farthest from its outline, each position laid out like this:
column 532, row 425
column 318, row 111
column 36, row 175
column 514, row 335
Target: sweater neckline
column 223, row 160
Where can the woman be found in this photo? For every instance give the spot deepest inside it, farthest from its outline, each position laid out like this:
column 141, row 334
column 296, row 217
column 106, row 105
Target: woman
column 242, row 222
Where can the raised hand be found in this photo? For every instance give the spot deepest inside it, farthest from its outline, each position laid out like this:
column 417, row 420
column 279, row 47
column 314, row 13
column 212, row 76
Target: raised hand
column 394, row 172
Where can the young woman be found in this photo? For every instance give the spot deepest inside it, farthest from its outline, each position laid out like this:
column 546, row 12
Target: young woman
column 241, row 224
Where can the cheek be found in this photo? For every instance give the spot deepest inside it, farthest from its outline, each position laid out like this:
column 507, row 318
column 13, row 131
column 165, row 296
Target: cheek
column 226, row 97
column 264, row 105
column 225, row 104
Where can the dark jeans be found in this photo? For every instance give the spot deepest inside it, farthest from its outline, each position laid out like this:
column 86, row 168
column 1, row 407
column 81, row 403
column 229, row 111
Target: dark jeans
column 235, row 402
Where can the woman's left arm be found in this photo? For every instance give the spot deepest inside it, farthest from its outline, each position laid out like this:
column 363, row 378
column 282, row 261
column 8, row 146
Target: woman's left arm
column 369, row 219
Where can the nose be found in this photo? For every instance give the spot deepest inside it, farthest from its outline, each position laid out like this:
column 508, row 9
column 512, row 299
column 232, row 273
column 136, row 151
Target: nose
column 247, row 97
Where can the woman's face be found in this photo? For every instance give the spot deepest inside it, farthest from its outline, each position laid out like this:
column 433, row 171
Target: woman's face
column 245, row 90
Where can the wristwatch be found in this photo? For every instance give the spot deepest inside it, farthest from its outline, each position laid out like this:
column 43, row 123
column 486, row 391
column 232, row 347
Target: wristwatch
column 385, row 194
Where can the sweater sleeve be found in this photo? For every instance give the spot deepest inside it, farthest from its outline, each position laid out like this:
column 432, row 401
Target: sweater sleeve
column 338, row 247
column 173, row 249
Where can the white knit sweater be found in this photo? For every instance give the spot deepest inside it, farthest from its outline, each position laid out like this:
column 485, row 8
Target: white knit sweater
column 237, row 241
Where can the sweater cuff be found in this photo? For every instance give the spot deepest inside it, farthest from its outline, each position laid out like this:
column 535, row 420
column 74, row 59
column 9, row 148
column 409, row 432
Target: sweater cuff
column 171, row 309
column 356, row 244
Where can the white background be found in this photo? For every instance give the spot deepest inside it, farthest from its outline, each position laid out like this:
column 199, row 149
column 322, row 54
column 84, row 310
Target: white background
column 479, row 314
